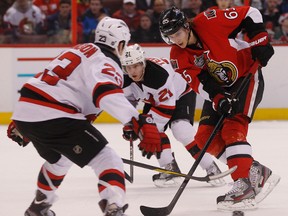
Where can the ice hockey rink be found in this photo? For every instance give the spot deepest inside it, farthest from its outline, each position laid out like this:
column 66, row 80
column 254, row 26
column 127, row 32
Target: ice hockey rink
column 78, row 193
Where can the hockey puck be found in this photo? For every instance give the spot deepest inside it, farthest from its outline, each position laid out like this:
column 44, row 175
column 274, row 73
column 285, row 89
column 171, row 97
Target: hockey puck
column 238, row 213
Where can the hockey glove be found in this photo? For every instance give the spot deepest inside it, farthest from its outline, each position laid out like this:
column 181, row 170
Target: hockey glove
column 150, row 140
column 15, row 135
column 128, row 132
column 261, row 49
column 223, row 104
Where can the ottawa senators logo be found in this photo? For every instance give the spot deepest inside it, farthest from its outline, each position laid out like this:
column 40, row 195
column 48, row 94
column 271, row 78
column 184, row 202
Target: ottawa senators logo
column 224, row 72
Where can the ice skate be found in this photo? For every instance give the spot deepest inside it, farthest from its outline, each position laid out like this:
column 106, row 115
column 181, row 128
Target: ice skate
column 168, row 180
column 112, row 209
column 39, row 207
column 240, row 197
column 262, row 180
column 213, row 169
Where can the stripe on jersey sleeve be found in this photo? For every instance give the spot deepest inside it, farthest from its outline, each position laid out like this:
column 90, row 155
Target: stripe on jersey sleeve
column 103, row 89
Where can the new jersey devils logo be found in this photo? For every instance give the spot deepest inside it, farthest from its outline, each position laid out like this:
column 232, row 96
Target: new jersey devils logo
column 224, row 72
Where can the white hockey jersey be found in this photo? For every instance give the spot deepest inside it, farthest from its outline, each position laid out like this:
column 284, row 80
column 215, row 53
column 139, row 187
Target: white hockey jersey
column 161, row 87
column 80, row 81
column 17, row 18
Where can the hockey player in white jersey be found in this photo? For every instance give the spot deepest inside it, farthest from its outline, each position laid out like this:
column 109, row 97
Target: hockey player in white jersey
column 51, row 114
column 171, row 102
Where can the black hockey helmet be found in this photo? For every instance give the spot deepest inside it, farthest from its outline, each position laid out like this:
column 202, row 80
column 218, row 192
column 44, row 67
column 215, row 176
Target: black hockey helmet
column 171, row 20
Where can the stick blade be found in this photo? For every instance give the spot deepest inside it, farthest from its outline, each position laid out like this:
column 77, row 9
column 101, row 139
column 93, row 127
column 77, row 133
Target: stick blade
column 223, row 174
column 128, row 177
column 150, row 211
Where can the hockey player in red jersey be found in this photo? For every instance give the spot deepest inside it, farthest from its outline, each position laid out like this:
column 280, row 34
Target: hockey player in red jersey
column 52, row 110
column 171, row 102
column 214, row 62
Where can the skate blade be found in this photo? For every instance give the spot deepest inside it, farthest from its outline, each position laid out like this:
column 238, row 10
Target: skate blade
column 246, row 204
column 269, row 185
column 163, row 183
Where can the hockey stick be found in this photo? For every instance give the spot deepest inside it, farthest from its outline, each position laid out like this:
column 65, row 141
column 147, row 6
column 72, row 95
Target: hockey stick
column 130, row 177
column 201, row 179
column 163, row 211
column 132, row 159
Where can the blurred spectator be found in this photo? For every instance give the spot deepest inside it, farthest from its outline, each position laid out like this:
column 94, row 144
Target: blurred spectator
column 2, row 26
column 283, row 6
column 146, row 32
column 206, row 3
column 270, row 29
column 129, row 14
column 24, row 18
column 47, row 7
column 177, row 3
column 145, row 5
column 158, row 7
column 91, row 18
column 4, row 5
column 254, row 3
column 169, row 3
column 271, row 14
column 257, row 4
column 194, row 7
column 281, row 35
column 59, row 24
column 224, row 4
column 2, row 29
column 82, row 6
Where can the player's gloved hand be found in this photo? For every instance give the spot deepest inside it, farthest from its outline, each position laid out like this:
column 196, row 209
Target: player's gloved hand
column 261, row 49
column 15, row 135
column 223, row 104
column 128, row 132
column 150, row 140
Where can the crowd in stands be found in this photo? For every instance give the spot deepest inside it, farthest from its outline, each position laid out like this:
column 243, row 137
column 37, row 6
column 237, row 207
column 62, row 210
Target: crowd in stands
column 49, row 21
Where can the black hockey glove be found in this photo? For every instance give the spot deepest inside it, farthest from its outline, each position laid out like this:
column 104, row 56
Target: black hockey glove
column 221, row 100
column 128, row 132
column 15, row 135
column 223, row 104
column 261, row 49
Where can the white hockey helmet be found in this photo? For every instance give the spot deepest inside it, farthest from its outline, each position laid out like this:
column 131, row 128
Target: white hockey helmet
column 133, row 54
column 111, row 32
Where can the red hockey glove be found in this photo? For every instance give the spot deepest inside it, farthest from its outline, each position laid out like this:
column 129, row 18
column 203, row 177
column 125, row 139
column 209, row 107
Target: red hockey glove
column 261, row 49
column 150, row 141
column 128, row 132
column 223, row 104
column 15, row 135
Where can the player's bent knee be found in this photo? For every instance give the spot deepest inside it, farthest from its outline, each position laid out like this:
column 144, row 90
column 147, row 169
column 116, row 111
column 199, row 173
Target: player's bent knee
column 183, row 131
column 203, row 133
column 234, row 130
column 106, row 159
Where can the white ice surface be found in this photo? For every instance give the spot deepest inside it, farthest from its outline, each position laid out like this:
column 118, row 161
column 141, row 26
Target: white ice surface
column 78, row 193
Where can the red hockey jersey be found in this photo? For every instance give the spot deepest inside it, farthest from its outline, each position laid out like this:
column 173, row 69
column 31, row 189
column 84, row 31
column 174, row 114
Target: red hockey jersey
column 219, row 51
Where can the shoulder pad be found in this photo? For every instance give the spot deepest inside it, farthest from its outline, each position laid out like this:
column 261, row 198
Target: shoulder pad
column 155, row 76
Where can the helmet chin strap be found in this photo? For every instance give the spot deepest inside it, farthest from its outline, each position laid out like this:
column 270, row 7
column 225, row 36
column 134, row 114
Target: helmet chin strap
column 141, row 78
column 189, row 35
